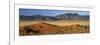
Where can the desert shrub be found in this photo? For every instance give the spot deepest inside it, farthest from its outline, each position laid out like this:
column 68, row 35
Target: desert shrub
column 30, row 30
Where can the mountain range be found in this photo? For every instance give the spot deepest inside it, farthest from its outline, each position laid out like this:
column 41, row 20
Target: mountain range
column 65, row 16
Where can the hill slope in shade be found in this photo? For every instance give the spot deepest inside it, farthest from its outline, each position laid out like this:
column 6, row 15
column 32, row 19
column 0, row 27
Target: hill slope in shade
column 43, row 28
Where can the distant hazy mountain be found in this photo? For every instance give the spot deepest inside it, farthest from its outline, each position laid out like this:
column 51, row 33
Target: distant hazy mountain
column 66, row 16
column 37, row 17
column 71, row 16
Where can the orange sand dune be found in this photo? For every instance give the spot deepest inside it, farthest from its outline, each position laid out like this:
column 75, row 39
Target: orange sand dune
column 43, row 28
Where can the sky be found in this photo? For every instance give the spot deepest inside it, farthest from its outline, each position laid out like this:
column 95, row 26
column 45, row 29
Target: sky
column 48, row 12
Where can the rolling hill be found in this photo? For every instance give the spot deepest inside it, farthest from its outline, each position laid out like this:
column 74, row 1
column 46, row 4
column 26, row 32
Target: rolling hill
column 43, row 28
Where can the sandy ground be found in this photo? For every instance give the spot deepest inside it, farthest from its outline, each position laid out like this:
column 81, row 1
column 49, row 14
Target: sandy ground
column 53, row 27
column 57, row 22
